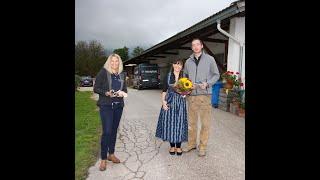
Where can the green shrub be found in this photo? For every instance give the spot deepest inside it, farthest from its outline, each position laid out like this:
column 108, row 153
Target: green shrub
column 77, row 80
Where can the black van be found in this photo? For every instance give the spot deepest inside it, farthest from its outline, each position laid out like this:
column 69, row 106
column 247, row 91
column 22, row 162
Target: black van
column 146, row 76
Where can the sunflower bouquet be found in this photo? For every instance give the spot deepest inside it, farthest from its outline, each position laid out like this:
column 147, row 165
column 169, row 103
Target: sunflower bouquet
column 183, row 86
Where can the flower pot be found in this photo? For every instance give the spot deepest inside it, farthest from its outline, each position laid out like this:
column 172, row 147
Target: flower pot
column 241, row 112
column 228, row 85
column 234, row 108
column 236, row 104
column 229, row 81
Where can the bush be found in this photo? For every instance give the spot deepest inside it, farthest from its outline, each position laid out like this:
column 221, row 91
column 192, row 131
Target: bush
column 77, row 80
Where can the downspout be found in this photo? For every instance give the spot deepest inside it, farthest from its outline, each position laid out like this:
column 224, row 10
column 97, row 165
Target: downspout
column 236, row 40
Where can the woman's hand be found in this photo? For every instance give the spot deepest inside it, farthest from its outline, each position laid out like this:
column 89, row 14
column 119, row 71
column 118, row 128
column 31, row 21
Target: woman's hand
column 165, row 106
column 111, row 93
column 108, row 93
column 121, row 94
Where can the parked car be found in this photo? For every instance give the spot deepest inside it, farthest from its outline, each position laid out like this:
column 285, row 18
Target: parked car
column 86, row 81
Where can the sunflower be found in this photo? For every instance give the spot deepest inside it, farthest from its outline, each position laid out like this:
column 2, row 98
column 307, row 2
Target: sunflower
column 187, row 84
column 184, row 84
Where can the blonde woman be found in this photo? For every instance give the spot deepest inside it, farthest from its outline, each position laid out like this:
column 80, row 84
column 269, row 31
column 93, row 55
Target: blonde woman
column 111, row 86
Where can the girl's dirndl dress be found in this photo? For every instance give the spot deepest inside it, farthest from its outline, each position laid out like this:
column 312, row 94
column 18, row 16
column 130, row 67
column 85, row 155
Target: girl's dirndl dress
column 173, row 123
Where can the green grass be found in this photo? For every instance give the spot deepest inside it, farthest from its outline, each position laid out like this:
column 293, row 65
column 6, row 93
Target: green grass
column 88, row 130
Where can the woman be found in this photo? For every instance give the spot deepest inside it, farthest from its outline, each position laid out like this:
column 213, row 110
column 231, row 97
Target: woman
column 172, row 123
column 111, row 86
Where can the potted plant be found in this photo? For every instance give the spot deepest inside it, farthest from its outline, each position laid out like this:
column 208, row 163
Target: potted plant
column 235, row 103
column 242, row 111
column 231, row 80
column 227, row 79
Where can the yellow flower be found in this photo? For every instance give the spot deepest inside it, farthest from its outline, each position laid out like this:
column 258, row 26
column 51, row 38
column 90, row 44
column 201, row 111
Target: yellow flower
column 185, row 84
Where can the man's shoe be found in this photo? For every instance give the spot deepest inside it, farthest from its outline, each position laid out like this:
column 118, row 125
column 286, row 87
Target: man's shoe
column 202, row 153
column 189, row 148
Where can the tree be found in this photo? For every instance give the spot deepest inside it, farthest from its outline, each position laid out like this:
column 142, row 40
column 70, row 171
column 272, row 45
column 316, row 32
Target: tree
column 123, row 53
column 137, row 51
column 96, row 57
column 89, row 58
column 81, row 56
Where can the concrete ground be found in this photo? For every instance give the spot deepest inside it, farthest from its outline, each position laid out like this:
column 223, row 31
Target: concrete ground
column 143, row 156
column 85, row 88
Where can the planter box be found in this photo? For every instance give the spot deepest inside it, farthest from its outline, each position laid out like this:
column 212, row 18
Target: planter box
column 224, row 108
column 221, row 103
column 234, row 109
column 224, row 100
column 223, row 94
column 241, row 113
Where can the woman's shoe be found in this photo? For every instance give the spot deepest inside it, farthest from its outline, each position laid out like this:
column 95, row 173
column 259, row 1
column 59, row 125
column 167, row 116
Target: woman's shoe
column 113, row 158
column 179, row 151
column 103, row 165
column 172, row 151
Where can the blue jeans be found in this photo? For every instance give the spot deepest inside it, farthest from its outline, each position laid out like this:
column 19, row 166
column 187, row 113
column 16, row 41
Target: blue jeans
column 110, row 118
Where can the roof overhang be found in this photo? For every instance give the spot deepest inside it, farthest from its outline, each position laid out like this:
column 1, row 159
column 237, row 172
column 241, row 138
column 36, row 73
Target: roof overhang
column 202, row 29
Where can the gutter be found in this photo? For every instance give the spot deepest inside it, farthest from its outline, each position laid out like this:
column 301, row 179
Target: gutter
column 241, row 44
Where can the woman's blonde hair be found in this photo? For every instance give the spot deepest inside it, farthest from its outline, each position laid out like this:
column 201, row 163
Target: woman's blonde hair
column 107, row 64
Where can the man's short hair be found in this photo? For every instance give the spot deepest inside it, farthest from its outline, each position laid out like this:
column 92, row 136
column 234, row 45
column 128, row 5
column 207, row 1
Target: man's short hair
column 197, row 39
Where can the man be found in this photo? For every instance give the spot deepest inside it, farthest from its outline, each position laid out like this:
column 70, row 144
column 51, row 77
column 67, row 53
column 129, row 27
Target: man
column 202, row 70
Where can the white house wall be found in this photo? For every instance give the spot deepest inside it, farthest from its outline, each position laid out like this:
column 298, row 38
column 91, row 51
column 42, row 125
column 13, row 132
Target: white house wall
column 237, row 30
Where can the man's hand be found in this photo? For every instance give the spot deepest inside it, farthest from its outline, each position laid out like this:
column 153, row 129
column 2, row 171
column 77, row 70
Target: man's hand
column 204, row 85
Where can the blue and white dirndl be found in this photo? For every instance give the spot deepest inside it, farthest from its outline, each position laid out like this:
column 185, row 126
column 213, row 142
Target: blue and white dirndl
column 173, row 123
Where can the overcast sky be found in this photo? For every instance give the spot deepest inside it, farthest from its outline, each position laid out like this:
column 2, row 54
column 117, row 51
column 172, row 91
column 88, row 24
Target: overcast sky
column 118, row 23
